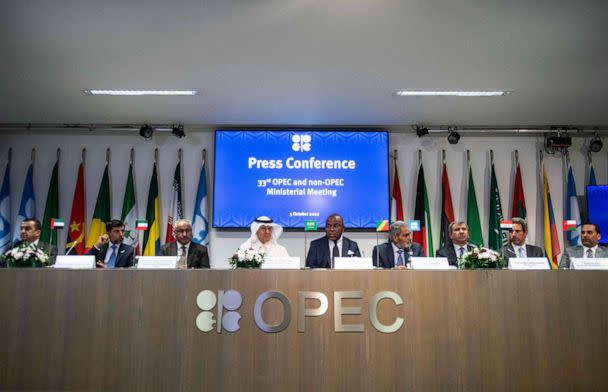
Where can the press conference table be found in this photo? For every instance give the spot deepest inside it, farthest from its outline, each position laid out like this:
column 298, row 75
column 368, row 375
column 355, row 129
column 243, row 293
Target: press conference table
column 463, row 331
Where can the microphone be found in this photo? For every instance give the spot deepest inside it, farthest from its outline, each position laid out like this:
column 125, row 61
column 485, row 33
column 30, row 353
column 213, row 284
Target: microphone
column 70, row 250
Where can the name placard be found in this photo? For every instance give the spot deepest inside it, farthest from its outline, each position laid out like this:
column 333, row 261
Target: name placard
column 157, row 262
column 353, row 263
column 589, row 264
column 529, row 263
column 75, row 262
column 279, row 262
column 429, row 263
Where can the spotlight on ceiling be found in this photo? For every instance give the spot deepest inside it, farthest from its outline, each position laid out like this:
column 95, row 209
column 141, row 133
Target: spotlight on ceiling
column 178, row 130
column 146, row 131
column 453, row 136
column 421, row 131
column 595, row 145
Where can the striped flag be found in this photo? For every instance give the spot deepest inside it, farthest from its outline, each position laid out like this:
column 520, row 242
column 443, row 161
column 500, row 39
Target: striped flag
column 518, row 208
column 5, row 211
column 422, row 213
column 447, row 210
column 396, row 200
column 101, row 214
column 177, row 210
column 75, row 243
column 51, row 209
column 571, row 209
column 27, row 207
column 152, row 235
column 551, row 241
column 200, row 221
column 129, row 213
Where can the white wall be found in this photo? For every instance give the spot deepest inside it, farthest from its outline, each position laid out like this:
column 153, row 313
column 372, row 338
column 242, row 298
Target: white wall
column 223, row 243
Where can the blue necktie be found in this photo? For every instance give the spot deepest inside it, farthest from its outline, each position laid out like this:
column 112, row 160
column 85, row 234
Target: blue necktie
column 400, row 260
column 112, row 260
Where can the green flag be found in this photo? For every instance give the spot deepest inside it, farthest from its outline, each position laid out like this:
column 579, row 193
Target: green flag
column 494, row 233
column 51, row 209
column 473, row 221
column 129, row 213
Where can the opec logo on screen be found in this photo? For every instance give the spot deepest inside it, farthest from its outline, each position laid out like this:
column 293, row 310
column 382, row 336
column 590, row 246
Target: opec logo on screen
column 301, row 143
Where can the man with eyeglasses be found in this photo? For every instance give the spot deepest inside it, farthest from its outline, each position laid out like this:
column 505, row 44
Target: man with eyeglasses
column 324, row 250
column 191, row 254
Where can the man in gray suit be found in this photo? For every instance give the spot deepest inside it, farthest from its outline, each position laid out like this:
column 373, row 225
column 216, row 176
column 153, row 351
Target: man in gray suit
column 590, row 236
column 517, row 242
column 192, row 255
column 397, row 252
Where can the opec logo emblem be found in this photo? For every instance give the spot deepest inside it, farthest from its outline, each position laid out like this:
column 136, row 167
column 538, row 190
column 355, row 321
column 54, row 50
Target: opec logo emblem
column 230, row 300
column 301, row 143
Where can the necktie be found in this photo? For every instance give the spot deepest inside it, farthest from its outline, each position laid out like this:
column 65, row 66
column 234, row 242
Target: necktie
column 589, row 253
column 335, row 252
column 521, row 252
column 112, row 260
column 461, row 250
column 182, row 257
column 400, row 257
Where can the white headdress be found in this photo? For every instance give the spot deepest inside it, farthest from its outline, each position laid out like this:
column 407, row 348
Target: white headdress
column 277, row 229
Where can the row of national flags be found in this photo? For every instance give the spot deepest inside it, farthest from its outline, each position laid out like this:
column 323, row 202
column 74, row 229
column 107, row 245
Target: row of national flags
column 78, row 241
column 497, row 238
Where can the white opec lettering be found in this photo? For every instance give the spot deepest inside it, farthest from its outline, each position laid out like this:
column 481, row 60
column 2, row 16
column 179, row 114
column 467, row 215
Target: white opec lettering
column 232, row 300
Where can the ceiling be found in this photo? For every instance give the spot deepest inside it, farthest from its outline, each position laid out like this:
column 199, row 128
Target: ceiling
column 328, row 62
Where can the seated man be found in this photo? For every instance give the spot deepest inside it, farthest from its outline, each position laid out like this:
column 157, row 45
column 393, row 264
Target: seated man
column 459, row 236
column 323, row 250
column 29, row 233
column 590, row 236
column 517, row 242
column 191, row 254
column 110, row 251
column 264, row 236
column 397, row 251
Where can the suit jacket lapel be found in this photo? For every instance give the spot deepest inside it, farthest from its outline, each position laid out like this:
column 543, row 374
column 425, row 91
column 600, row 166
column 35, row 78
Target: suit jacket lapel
column 345, row 247
column 390, row 256
column 325, row 255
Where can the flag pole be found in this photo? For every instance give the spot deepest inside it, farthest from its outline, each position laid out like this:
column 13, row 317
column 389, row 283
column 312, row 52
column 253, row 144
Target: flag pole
column 54, row 230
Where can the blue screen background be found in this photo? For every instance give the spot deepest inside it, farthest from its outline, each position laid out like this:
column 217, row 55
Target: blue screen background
column 239, row 198
column 597, row 204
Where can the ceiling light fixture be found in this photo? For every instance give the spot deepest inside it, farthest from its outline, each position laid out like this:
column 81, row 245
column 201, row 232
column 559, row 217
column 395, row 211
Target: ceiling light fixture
column 451, row 93
column 178, row 130
column 141, row 92
column 596, row 144
column 146, row 131
column 421, row 131
column 453, row 136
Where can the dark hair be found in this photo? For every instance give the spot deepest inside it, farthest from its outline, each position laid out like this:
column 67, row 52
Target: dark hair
column 522, row 222
column 597, row 227
column 114, row 223
column 337, row 216
column 37, row 223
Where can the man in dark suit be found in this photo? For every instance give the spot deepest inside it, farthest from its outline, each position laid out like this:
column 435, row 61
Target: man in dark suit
column 459, row 236
column 110, row 251
column 590, row 237
column 324, row 250
column 517, row 242
column 397, row 251
column 29, row 232
column 191, row 254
